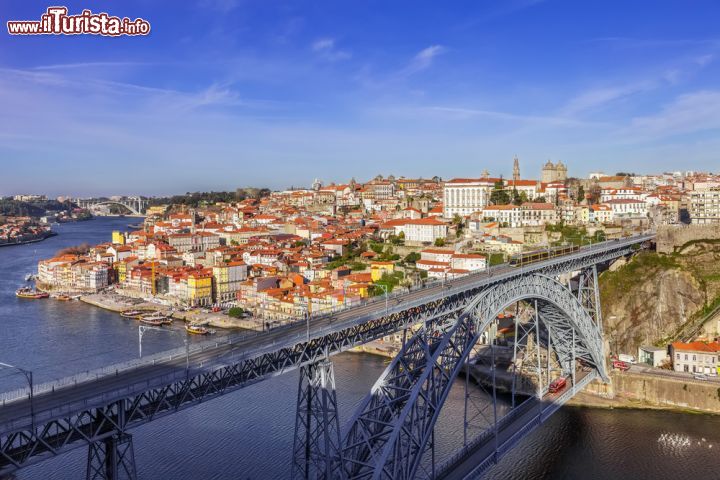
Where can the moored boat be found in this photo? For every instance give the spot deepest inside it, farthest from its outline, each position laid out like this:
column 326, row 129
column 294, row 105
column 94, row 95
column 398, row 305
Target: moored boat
column 155, row 318
column 29, row 293
column 151, row 321
column 131, row 313
column 63, row 297
column 197, row 329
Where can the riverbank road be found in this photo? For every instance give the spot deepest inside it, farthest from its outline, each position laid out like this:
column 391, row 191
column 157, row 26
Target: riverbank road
column 671, row 374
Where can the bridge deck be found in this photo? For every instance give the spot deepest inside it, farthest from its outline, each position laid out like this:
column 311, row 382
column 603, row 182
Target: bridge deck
column 53, row 404
column 473, row 461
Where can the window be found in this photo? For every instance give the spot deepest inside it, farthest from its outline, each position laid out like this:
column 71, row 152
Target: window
column 677, row 356
column 686, row 356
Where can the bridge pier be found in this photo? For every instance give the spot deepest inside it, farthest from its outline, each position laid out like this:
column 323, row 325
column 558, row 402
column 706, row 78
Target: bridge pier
column 317, row 426
column 112, row 458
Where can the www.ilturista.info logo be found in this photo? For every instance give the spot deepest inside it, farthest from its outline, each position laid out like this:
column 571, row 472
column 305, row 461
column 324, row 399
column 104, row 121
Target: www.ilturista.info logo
column 56, row 21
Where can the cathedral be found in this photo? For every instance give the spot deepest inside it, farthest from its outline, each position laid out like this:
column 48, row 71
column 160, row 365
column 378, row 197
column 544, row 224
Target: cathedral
column 554, row 173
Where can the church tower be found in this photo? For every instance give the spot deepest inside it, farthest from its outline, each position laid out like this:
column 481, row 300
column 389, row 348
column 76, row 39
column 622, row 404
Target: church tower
column 516, row 169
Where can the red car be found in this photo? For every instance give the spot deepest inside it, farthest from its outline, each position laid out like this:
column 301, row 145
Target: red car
column 620, row 365
column 557, row 385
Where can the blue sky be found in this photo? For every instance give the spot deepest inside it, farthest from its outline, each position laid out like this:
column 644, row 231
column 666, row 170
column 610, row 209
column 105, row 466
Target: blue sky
column 229, row 93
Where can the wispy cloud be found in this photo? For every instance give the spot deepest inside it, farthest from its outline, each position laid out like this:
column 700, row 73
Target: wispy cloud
column 72, row 66
column 600, row 97
column 498, row 10
column 222, row 6
column 423, row 59
column 688, row 113
column 325, row 48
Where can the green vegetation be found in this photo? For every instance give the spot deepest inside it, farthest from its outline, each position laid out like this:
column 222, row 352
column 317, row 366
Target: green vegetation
column 439, row 242
column 496, row 259
column 376, row 247
column 411, row 257
column 236, row 312
column 575, row 235
column 397, row 239
column 499, row 196
column 196, row 199
column 349, row 257
column 16, row 208
column 391, row 281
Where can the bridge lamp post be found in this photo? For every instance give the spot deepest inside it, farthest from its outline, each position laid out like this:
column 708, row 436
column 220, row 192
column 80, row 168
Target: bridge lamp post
column 29, row 377
column 143, row 328
column 385, row 288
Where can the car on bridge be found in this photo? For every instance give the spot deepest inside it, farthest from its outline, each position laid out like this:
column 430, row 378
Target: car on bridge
column 557, row 385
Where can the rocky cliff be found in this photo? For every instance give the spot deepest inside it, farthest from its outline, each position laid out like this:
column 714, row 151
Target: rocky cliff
column 655, row 298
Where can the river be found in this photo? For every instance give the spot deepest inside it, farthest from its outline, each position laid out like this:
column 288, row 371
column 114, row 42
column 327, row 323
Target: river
column 248, row 434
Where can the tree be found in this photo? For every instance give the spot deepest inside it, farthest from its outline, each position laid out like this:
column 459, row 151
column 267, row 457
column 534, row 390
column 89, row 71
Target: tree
column 499, row 196
column 581, row 193
column 516, row 199
column 412, row 257
column 540, row 200
column 439, row 242
column 236, row 312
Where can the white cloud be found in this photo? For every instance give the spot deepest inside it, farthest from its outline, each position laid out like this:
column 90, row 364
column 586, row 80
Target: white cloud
column 688, row 113
column 223, row 6
column 323, row 44
column 597, row 98
column 325, row 49
column 425, row 57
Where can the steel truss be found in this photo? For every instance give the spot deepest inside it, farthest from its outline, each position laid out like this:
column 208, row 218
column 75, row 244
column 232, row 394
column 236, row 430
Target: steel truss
column 391, row 429
column 425, row 364
column 112, row 458
column 317, row 425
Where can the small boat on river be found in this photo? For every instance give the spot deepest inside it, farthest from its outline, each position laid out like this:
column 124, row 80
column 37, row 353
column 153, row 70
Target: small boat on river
column 134, row 314
column 155, row 318
column 30, row 293
column 198, row 329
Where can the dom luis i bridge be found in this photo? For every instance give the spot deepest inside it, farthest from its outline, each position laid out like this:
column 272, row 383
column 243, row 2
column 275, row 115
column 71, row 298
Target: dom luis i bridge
column 447, row 328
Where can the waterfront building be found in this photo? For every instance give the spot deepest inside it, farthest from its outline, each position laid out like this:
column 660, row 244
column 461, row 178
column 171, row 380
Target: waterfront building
column 227, row 279
column 200, row 288
column 696, row 357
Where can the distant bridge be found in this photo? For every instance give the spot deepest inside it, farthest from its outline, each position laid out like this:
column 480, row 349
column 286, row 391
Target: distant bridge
column 390, row 436
column 136, row 205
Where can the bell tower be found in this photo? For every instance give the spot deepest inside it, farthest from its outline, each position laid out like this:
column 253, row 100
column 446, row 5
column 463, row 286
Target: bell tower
column 516, row 169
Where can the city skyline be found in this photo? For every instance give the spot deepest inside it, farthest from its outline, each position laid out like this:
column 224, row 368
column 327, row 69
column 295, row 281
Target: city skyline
column 221, row 89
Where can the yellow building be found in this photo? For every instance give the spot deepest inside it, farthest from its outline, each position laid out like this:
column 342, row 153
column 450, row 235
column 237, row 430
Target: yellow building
column 156, row 210
column 199, row 288
column 378, row 269
column 118, row 238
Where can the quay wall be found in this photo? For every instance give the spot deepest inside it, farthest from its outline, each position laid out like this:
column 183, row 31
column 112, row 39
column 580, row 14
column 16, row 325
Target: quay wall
column 670, row 237
column 640, row 390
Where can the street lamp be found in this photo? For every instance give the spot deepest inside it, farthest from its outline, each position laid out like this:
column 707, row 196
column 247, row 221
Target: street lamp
column 143, row 328
column 29, row 377
column 385, row 288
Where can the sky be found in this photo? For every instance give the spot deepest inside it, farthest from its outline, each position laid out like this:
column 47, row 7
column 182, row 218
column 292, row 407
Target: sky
column 232, row 93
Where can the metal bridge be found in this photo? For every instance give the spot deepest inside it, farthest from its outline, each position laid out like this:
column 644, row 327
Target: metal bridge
column 391, row 433
column 136, row 205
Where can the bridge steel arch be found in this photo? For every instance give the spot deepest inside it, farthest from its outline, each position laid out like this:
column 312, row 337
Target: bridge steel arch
column 129, row 206
column 392, row 428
